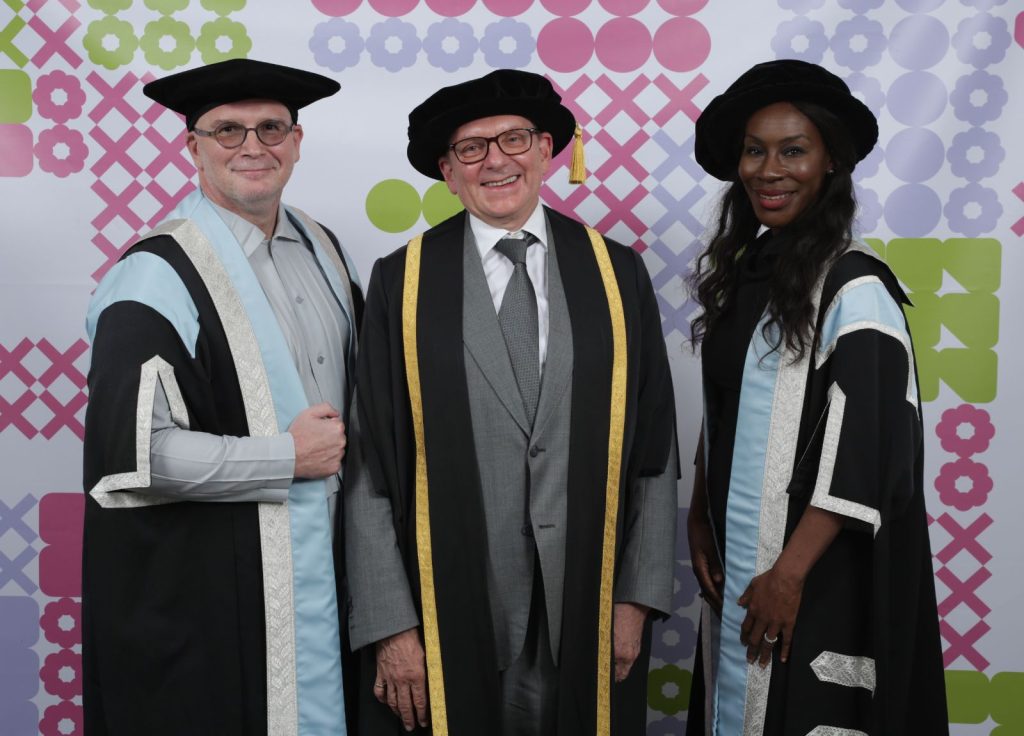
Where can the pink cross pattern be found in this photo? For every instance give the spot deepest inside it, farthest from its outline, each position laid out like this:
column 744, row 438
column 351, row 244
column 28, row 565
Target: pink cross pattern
column 62, row 363
column 14, row 414
column 964, row 538
column 63, row 414
column 111, row 251
column 71, row 5
column 1018, row 227
column 622, row 100
column 622, row 210
column 962, row 645
column 167, row 201
column 115, row 152
column 621, row 154
column 55, row 41
column 680, row 99
column 113, row 97
column 118, row 205
column 170, row 152
column 569, row 204
column 571, row 93
column 10, row 362
column 963, row 591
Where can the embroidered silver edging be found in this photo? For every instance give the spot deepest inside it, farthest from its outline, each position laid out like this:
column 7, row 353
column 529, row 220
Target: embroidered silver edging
column 275, row 524
column 111, row 491
column 835, row 731
column 822, row 497
column 845, row 669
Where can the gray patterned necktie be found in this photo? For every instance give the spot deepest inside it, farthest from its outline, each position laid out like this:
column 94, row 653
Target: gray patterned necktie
column 518, row 319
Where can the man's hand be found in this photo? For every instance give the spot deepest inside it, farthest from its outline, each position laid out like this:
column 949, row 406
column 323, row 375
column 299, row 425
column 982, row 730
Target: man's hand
column 628, row 623
column 401, row 682
column 319, row 436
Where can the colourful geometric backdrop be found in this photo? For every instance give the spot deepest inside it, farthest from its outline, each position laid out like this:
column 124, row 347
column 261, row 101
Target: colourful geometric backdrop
column 87, row 164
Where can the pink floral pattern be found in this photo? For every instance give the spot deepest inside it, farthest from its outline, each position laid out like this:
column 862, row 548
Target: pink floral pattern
column 56, row 714
column 53, row 670
column 949, row 435
column 62, row 166
column 52, row 622
column 58, row 81
column 977, row 495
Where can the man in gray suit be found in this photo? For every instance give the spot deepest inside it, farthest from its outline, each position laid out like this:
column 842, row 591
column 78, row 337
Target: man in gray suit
column 511, row 504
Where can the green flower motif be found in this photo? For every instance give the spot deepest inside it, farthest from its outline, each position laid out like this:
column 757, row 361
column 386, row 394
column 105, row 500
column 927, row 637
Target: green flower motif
column 166, row 7
column 110, row 6
column 101, row 30
column 156, row 32
column 668, row 689
column 222, row 7
column 215, row 30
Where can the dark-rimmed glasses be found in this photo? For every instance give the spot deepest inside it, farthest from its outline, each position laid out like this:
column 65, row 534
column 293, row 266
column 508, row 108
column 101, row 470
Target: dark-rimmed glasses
column 510, row 142
column 232, row 135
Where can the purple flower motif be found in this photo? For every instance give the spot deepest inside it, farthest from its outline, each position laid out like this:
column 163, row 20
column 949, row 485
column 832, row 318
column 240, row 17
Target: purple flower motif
column 787, row 45
column 984, row 213
column 674, row 640
column 58, row 81
column 869, row 210
column 801, row 6
column 978, row 98
column 347, row 35
column 868, row 90
column 62, row 165
column 56, row 676
column 667, row 726
column 976, row 473
column 991, row 32
column 447, row 31
column 948, row 430
column 53, row 622
column 858, row 32
column 861, row 6
column 494, row 39
column 55, row 717
column 381, row 36
column 960, row 154
column 869, row 166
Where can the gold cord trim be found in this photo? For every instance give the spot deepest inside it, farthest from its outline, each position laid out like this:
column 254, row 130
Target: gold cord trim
column 616, row 424
column 431, row 639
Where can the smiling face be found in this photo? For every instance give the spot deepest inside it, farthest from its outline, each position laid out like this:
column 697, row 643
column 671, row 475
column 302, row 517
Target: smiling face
column 247, row 180
column 501, row 190
column 783, row 163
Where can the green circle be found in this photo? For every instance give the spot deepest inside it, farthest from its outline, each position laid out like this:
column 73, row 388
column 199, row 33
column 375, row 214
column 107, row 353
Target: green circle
column 166, row 7
column 223, row 7
column 669, row 675
column 393, row 205
column 439, row 204
column 215, row 30
column 110, row 6
column 166, row 27
column 122, row 30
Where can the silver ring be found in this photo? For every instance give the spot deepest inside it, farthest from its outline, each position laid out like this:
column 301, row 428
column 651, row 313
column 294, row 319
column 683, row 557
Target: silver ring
column 770, row 642
column 378, row 685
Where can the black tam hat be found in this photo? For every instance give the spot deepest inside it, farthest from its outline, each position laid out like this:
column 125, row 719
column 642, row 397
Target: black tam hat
column 719, row 129
column 502, row 92
column 197, row 91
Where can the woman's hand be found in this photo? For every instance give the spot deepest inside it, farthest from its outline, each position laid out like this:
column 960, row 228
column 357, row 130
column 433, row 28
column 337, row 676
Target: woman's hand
column 704, row 557
column 772, row 601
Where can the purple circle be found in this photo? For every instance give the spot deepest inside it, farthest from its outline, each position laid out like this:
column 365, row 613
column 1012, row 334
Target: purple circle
column 565, row 44
column 624, row 7
column 915, row 154
column 976, row 28
column 682, row 7
column 978, row 98
column 852, row 32
column 966, row 164
column 336, row 8
column 563, row 8
column 508, row 8
column 801, row 7
column 917, row 98
column 912, row 211
column 919, row 6
column 681, row 44
column 984, row 212
column 393, row 8
column 800, row 38
column 623, row 44
column 918, row 42
column 861, row 6
column 450, row 8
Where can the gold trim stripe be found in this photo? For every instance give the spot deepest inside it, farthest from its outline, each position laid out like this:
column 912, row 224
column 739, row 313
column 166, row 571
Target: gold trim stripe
column 616, row 424
column 431, row 639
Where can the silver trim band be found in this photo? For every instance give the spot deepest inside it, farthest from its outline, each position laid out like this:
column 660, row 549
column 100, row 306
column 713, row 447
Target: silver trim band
column 845, row 669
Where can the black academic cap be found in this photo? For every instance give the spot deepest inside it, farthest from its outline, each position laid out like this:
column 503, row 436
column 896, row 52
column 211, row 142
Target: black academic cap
column 719, row 129
column 197, row 91
column 502, row 92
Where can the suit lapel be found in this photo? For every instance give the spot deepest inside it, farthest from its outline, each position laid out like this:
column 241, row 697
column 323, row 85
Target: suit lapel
column 482, row 336
column 558, row 364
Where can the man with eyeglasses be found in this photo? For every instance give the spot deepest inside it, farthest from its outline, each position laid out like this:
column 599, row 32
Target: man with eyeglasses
column 510, row 516
column 223, row 348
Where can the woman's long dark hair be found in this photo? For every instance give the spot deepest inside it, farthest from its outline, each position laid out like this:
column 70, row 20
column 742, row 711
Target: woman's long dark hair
column 817, row 236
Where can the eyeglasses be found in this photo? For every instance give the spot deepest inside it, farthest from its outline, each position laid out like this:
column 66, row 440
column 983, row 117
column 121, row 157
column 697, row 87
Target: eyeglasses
column 233, row 135
column 510, row 142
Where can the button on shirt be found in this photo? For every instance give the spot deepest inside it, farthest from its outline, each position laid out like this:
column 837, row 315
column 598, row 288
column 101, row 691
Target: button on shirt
column 498, row 269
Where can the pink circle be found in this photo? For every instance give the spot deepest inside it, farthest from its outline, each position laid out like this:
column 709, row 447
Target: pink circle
column 565, row 8
column 393, row 8
column 450, row 8
column 623, row 44
column 624, row 7
column 336, row 8
column 682, row 7
column 507, row 8
column 681, row 44
column 565, row 44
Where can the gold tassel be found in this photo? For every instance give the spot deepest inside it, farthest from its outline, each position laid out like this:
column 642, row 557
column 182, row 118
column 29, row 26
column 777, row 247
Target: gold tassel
column 577, row 167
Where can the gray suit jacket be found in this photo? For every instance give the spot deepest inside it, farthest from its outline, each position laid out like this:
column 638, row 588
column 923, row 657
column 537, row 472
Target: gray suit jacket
column 523, row 474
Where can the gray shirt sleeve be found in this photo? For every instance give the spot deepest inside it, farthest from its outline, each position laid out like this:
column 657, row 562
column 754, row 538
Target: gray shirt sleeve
column 197, row 466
